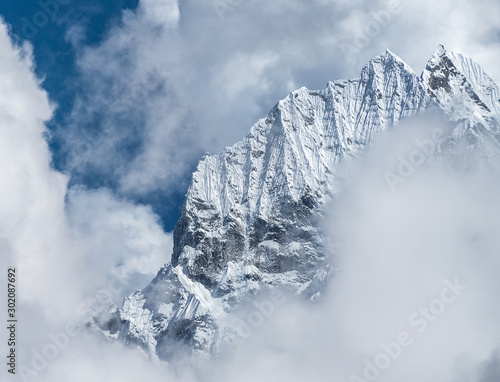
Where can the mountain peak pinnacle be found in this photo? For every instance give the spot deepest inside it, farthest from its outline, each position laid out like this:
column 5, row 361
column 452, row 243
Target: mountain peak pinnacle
column 440, row 51
column 387, row 60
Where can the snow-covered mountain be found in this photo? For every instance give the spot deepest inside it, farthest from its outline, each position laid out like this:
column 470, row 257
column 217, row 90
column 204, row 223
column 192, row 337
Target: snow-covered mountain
column 250, row 220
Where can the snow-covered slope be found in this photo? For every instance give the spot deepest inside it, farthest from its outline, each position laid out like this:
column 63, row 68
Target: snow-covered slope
column 251, row 210
column 469, row 97
column 250, row 220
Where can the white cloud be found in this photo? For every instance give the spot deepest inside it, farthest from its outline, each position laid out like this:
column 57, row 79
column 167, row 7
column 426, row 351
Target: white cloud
column 117, row 235
column 165, row 12
column 32, row 200
column 60, row 251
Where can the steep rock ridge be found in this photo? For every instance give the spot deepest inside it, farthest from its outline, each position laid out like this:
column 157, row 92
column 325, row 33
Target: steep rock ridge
column 255, row 204
column 250, row 217
column 469, row 97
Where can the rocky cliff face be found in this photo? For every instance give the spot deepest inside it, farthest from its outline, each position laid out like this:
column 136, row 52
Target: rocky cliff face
column 250, row 220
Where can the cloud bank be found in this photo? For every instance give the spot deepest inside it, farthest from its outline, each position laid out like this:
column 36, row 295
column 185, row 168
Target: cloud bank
column 62, row 244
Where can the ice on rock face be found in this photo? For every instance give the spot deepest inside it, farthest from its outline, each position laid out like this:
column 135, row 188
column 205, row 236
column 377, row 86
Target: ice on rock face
column 250, row 220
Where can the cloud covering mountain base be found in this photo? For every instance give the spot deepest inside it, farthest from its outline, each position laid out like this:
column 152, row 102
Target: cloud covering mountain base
column 414, row 294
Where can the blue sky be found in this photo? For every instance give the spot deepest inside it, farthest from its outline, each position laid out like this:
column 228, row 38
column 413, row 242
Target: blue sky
column 56, row 64
column 55, row 55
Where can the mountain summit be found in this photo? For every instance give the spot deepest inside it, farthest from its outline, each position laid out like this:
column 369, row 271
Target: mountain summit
column 250, row 220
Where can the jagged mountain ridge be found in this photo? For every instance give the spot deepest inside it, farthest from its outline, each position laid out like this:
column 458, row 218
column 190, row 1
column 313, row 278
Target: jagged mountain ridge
column 250, row 217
